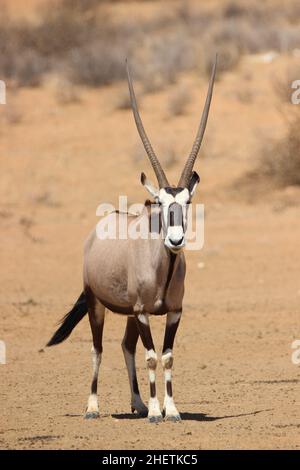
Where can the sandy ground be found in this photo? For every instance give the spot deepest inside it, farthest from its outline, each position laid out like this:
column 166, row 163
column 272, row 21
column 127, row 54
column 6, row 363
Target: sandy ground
column 234, row 382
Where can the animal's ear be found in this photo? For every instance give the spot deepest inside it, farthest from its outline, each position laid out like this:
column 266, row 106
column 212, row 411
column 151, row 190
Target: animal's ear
column 194, row 181
column 149, row 186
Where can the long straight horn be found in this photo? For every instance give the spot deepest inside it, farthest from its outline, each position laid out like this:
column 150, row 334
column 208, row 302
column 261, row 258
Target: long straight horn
column 187, row 171
column 161, row 177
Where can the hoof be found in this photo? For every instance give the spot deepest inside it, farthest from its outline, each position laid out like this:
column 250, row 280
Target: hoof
column 92, row 415
column 173, row 418
column 143, row 412
column 155, row 419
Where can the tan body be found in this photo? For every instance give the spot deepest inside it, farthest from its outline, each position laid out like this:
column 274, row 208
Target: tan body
column 134, row 276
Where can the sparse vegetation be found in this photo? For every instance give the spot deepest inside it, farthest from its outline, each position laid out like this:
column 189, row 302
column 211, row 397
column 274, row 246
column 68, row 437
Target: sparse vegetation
column 228, row 57
column 280, row 160
column 79, row 40
column 160, row 61
column 95, row 64
column 65, row 91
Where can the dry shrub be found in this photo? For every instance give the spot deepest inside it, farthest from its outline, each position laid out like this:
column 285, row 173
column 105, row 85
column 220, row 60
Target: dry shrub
column 65, row 91
column 233, row 10
column 280, row 160
column 29, row 68
column 62, row 26
column 46, row 198
column 28, row 50
column 23, row 66
column 160, row 59
column 96, row 64
column 248, row 30
column 228, row 57
column 81, row 6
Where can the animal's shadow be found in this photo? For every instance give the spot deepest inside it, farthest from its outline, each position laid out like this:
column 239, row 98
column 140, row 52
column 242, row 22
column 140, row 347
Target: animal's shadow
column 187, row 416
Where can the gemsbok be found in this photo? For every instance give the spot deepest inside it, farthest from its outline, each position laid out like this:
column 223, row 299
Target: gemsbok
column 139, row 277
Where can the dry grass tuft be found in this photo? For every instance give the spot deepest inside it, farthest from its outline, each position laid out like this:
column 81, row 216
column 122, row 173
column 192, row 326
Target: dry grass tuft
column 280, row 160
column 65, row 91
column 95, row 64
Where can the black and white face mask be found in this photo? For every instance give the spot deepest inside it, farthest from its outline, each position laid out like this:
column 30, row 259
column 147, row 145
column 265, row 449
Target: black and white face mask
column 174, row 207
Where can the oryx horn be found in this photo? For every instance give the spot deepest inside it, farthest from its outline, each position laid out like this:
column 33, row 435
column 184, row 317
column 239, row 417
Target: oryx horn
column 187, row 171
column 160, row 174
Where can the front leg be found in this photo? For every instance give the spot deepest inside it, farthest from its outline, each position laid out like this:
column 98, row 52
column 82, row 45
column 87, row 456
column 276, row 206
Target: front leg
column 154, row 413
column 129, row 347
column 173, row 319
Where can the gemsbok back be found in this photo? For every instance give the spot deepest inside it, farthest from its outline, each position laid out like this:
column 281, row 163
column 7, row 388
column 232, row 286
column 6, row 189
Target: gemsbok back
column 139, row 277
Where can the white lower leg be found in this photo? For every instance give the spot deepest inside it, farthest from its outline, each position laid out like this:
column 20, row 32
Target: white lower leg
column 154, row 407
column 92, row 406
column 169, row 405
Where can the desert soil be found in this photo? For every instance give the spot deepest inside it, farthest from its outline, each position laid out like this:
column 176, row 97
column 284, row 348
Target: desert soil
column 234, row 381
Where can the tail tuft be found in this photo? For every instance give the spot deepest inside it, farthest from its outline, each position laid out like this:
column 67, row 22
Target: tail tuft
column 69, row 321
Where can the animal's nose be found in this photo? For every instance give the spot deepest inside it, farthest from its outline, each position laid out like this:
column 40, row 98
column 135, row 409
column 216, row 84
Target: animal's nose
column 177, row 242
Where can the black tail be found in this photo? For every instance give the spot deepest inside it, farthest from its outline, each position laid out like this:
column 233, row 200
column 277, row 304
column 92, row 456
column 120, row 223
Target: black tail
column 69, row 321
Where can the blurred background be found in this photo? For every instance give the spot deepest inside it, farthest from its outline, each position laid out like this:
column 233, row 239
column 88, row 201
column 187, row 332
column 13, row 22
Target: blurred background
column 68, row 142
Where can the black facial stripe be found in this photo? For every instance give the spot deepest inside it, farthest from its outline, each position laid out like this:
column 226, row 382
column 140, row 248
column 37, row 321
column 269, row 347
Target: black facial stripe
column 173, row 191
column 171, row 223
column 155, row 223
column 175, row 214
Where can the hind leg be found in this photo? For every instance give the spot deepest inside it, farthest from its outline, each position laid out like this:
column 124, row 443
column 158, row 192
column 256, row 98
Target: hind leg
column 129, row 347
column 96, row 317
